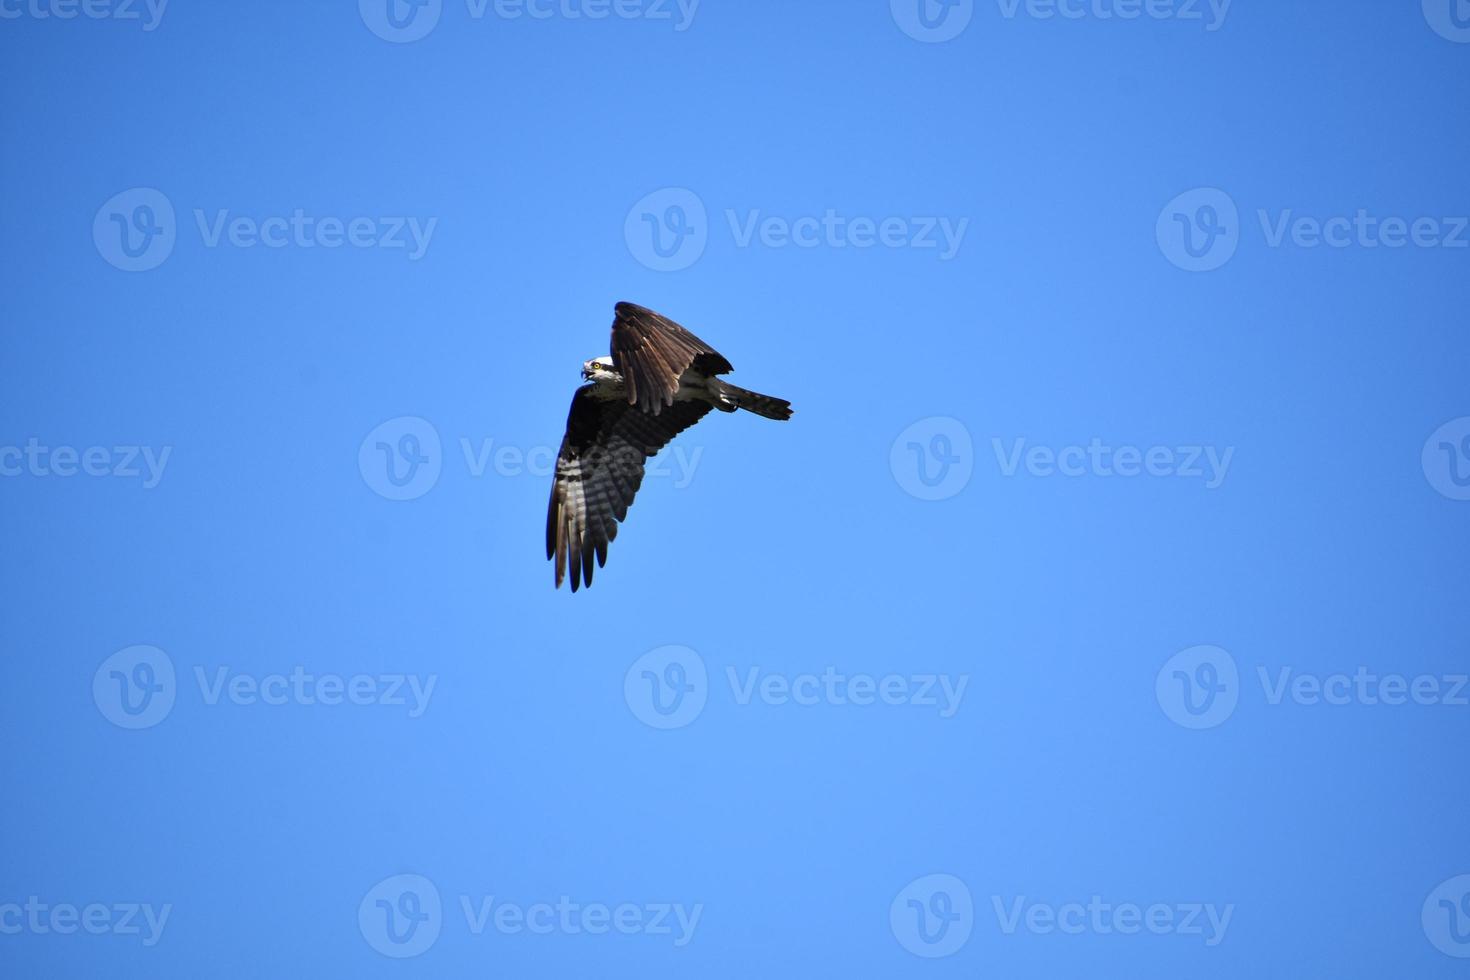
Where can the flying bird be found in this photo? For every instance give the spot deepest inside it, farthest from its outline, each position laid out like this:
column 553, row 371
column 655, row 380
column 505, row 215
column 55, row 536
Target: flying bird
column 659, row 381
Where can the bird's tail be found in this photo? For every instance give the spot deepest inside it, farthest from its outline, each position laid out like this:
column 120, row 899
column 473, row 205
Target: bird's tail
column 762, row 405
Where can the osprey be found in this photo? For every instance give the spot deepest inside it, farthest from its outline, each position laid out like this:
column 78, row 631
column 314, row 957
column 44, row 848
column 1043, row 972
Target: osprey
column 659, row 381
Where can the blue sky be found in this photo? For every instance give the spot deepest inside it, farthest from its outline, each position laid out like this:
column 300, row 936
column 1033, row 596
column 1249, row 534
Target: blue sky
column 1101, row 610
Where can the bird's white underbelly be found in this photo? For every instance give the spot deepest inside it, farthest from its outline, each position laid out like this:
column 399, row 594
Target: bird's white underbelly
column 695, row 387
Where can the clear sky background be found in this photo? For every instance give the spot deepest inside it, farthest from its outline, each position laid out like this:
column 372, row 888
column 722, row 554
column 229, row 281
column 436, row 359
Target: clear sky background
column 946, row 507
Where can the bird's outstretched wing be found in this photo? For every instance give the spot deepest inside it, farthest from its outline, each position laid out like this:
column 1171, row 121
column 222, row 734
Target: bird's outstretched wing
column 651, row 351
column 598, row 472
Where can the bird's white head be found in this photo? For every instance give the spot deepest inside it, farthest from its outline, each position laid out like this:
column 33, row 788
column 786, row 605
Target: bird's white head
column 599, row 369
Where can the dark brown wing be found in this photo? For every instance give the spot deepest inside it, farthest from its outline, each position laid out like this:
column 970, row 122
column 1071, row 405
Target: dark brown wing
column 651, row 351
column 598, row 472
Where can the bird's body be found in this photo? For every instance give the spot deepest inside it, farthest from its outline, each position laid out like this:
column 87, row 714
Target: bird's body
column 694, row 385
column 660, row 380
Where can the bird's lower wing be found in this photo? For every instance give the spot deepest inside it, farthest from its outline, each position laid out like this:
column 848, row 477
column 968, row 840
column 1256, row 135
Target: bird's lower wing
column 652, row 351
column 598, row 473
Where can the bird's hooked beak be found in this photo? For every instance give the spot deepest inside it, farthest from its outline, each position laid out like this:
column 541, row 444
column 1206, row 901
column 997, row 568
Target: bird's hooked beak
column 586, row 373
